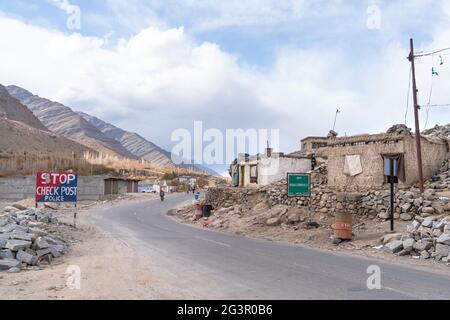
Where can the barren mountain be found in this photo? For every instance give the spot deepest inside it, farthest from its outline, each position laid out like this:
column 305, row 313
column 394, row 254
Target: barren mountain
column 64, row 121
column 134, row 143
column 139, row 146
column 12, row 109
column 18, row 137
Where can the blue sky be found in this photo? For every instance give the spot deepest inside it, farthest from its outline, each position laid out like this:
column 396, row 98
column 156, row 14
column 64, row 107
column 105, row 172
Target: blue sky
column 154, row 66
column 253, row 38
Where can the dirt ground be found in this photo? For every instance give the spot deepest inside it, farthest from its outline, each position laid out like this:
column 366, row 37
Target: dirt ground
column 365, row 243
column 110, row 268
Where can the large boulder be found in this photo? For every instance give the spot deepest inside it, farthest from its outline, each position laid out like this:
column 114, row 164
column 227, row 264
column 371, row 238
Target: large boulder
column 16, row 245
column 406, row 216
column 40, row 243
column 19, row 235
column 6, row 254
column 26, row 257
column 395, row 246
column 408, row 245
column 273, row 222
column 19, row 206
column 427, row 211
column 391, row 237
column 10, row 209
column 444, row 239
column 406, row 207
column 6, row 264
column 422, row 245
column 428, row 222
column 442, row 251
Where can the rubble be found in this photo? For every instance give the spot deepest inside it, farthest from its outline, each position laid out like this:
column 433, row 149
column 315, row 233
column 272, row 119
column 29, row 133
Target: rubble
column 24, row 240
column 399, row 129
column 442, row 132
column 421, row 241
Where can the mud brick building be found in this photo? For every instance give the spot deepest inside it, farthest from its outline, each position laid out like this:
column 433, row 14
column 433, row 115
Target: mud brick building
column 367, row 152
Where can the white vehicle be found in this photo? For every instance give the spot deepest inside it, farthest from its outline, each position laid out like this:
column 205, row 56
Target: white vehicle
column 148, row 190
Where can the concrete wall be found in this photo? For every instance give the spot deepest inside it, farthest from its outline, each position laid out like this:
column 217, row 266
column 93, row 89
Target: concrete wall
column 372, row 162
column 271, row 170
column 91, row 188
column 433, row 155
column 123, row 186
column 18, row 188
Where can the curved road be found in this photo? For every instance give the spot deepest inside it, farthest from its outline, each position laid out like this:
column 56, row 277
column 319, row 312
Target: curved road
column 211, row 265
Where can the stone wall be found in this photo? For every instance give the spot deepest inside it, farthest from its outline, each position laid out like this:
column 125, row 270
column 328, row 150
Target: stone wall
column 274, row 169
column 23, row 187
column 372, row 177
column 374, row 203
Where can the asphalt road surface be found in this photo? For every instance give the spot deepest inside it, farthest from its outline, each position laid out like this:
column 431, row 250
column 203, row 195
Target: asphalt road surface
column 212, row 265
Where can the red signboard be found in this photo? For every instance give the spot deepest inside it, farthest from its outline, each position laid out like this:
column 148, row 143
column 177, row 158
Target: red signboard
column 56, row 187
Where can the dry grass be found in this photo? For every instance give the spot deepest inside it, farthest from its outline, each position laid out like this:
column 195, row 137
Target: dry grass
column 88, row 163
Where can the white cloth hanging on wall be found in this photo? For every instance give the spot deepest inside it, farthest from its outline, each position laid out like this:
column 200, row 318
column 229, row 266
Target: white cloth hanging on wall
column 352, row 166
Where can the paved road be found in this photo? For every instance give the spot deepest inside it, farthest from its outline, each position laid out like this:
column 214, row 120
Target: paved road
column 214, row 265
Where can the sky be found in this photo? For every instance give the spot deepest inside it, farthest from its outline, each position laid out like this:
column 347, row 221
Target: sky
column 154, row 66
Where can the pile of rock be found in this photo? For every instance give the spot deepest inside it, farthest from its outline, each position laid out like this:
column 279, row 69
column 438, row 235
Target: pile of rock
column 441, row 181
column 408, row 204
column 23, row 239
column 442, row 132
column 426, row 238
column 399, row 129
column 319, row 176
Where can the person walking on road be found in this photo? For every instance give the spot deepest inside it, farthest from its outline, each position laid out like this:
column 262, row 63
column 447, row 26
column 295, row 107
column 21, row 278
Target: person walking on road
column 161, row 194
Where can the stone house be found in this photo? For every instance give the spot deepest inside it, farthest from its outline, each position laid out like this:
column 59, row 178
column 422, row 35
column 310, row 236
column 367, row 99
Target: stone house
column 310, row 145
column 262, row 170
column 359, row 161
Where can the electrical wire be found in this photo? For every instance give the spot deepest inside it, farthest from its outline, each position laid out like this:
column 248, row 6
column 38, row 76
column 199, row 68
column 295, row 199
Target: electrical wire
column 427, row 112
column 408, row 94
column 440, row 105
column 431, row 53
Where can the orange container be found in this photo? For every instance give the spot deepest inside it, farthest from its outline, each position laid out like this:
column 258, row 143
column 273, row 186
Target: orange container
column 198, row 210
column 343, row 226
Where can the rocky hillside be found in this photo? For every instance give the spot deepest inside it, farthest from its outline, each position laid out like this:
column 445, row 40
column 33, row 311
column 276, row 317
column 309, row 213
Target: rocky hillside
column 139, row 146
column 134, row 143
column 12, row 109
column 18, row 137
column 64, row 121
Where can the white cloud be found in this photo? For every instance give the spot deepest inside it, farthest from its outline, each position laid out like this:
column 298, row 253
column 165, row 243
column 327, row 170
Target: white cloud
column 63, row 5
column 157, row 81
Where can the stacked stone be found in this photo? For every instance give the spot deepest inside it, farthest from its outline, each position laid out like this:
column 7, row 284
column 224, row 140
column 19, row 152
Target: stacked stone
column 23, row 240
column 442, row 132
column 426, row 238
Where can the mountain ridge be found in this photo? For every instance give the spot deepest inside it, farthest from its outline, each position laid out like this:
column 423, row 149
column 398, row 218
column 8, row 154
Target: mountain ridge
column 62, row 120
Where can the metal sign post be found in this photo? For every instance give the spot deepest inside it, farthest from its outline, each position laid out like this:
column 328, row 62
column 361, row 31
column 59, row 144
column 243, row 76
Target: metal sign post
column 299, row 185
column 57, row 187
column 391, row 163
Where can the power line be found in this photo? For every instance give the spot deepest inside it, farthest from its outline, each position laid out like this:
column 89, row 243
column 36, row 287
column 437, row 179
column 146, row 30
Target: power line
column 408, row 94
column 431, row 93
column 431, row 53
column 439, row 105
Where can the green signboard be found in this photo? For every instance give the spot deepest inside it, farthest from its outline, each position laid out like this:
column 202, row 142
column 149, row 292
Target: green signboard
column 299, row 185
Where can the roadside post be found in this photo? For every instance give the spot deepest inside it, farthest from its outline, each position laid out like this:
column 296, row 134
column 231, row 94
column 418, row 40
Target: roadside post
column 391, row 171
column 391, row 174
column 299, row 185
column 57, row 187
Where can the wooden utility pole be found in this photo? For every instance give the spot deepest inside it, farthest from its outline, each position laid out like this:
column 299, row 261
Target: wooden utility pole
column 416, row 115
